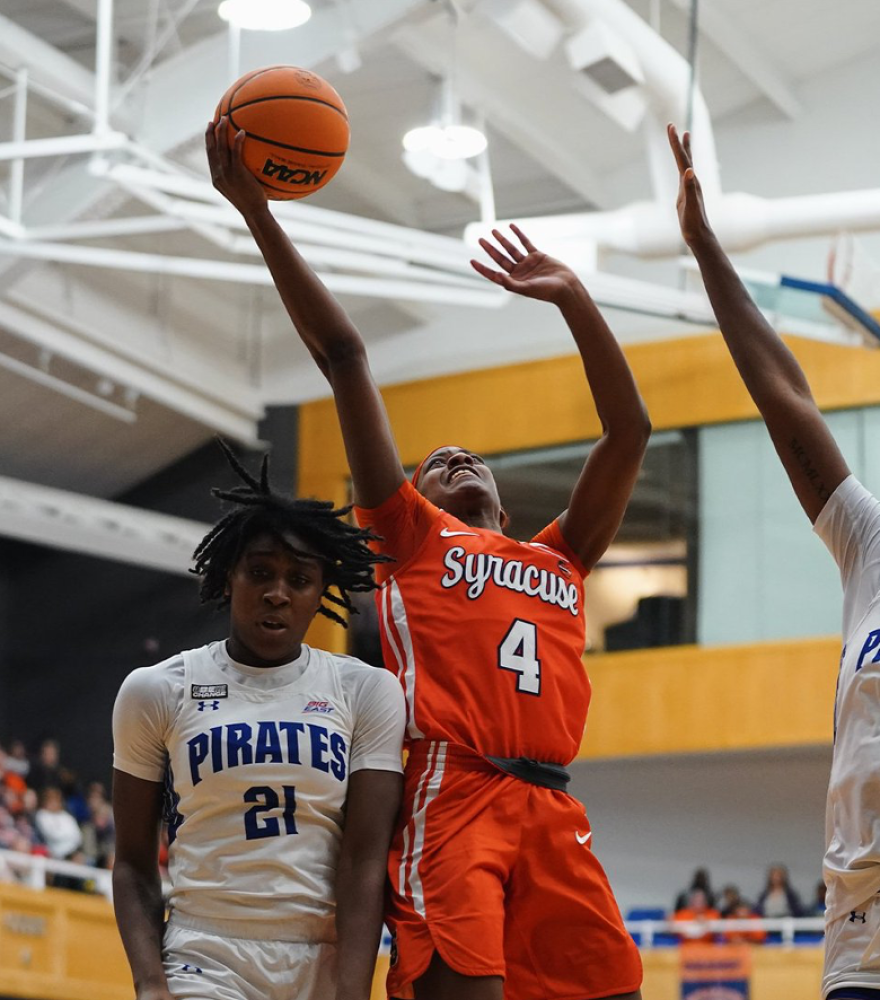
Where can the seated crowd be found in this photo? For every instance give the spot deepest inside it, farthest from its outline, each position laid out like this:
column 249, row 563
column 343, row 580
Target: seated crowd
column 44, row 810
column 699, row 904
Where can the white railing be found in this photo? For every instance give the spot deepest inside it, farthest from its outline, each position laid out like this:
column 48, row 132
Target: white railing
column 786, row 927
column 32, row 869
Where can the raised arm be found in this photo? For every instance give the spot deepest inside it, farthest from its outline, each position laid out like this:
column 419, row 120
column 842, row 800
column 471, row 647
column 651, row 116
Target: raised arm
column 323, row 325
column 769, row 370
column 603, row 489
column 137, row 888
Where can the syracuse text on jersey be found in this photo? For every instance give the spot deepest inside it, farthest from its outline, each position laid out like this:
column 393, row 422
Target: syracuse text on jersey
column 476, row 569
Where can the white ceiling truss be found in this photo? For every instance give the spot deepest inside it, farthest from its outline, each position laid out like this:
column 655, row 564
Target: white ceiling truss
column 76, row 523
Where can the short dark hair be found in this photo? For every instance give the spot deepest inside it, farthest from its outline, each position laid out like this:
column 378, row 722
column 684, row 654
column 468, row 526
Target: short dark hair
column 343, row 548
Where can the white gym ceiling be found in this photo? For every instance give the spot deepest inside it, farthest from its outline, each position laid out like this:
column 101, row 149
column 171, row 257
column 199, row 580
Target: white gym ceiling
column 114, row 364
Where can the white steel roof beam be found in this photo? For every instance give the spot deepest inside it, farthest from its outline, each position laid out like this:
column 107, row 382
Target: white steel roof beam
column 454, row 293
column 55, row 74
column 235, row 413
column 105, row 228
column 76, row 523
column 201, row 190
column 332, row 229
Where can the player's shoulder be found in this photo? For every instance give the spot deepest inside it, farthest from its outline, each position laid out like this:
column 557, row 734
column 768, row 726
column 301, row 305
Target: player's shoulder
column 345, row 665
column 155, row 679
column 359, row 677
column 850, row 501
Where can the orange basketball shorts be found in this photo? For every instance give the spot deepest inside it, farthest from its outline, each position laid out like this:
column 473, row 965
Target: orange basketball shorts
column 499, row 877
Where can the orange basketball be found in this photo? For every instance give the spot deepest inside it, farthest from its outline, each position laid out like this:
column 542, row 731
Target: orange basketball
column 296, row 125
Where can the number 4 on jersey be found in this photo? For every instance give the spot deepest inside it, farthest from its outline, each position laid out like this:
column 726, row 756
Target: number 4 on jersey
column 519, row 652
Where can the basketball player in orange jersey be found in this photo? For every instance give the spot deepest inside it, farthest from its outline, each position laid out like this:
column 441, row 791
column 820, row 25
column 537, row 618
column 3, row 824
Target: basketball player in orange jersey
column 495, row 890
column 846, row 516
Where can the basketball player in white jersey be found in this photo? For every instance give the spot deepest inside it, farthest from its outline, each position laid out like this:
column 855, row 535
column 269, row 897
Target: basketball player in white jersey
column 847, row 519
column 278, row 767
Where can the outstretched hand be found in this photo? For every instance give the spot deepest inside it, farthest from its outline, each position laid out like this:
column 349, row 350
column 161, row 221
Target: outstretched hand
column 532, row 273
column 229, row 175
column 692, row 217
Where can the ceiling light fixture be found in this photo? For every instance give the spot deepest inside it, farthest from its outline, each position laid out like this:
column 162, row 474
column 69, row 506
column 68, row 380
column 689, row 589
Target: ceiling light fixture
column 265, row 15
column 446, row 142
column 446, row 138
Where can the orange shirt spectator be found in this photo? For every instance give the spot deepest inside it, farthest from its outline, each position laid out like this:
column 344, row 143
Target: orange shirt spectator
column 744, row 912
column 696, row 913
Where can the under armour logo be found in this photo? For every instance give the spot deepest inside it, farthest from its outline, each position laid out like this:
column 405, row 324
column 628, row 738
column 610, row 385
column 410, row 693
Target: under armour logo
column 855, row 915
column 191, row 968
column 204, row 706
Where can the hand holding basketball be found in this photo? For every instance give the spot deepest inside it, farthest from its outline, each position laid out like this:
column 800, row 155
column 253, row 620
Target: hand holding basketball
column 296, row 129
column 533, row 273
column 692, row 217
column 229, row 175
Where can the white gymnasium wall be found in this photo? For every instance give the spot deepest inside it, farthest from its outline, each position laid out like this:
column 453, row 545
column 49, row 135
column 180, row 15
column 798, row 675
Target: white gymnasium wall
column 655, row 820
column 763, row 574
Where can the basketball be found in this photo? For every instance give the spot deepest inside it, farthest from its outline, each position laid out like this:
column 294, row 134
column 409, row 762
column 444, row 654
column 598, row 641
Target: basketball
column 296, row 125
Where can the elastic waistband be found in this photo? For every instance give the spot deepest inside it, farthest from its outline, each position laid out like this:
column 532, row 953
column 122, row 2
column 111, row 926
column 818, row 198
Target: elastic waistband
column 318, row 932
column 425, row 754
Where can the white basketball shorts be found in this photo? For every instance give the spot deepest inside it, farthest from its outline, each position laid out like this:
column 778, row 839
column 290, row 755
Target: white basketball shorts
column 852, row 949
column 202, row 966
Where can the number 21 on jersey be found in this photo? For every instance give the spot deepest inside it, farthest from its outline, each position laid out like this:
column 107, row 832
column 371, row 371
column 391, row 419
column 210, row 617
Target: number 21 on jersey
column 519, row 652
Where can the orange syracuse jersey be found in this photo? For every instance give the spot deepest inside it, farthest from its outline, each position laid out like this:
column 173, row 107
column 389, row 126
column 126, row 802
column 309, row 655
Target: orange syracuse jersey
column 484, row 632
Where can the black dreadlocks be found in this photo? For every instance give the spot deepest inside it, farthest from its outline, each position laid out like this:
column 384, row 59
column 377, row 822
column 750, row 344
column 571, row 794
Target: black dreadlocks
column 346, row 557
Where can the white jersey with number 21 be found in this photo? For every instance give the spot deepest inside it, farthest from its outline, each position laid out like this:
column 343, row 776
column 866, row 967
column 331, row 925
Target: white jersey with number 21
column 256, row 763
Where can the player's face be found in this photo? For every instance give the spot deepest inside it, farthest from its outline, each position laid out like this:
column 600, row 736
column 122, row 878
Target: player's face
column 459, row 481
column 274, row 593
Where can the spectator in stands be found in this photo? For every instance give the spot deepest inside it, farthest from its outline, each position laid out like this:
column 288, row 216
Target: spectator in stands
column 99, row 834
column 45, row 769
column 12, row 785
column 743, row 911
column 17, row 761
column 700, row 881
column 694, row 917
column 731, row 898
column 58, row 830
column 74, row 800
column 779, row 899
column 16, row 832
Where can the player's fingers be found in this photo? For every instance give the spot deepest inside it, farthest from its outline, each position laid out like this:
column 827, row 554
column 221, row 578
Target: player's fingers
column 221, row 138
column 215, row 155
column 487, row 272
column 687, row 149
column 677, row 148
column 521, row 236
column 511, row 248
column 500, row 259
column 238, row 145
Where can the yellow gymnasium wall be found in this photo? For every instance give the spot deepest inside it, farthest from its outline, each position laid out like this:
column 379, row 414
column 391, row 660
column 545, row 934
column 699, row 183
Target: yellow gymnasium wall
column 60, row 945
column 686, row 382
column 776, row 974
